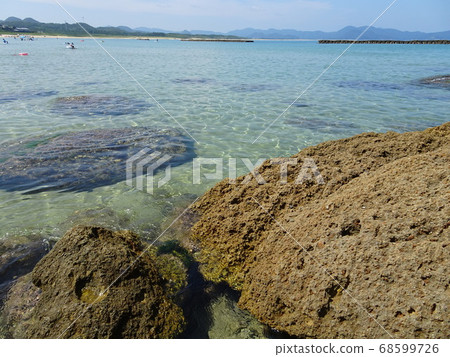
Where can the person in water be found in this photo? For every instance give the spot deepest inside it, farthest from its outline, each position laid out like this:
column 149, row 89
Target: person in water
column 5, row 42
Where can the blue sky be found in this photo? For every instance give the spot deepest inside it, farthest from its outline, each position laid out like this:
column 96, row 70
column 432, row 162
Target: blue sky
column 221, row 15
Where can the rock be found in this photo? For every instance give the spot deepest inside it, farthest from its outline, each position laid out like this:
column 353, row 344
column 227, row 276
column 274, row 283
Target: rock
column 95, row 283
column 371, row 85
column 228, row 321
column 18, row 311
column 82, row 161
column 442, row 81
column 365, row 255
column 251, row 87
column 193, row 81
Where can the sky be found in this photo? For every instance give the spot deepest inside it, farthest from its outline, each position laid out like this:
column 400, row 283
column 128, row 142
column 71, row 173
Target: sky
column 227, row 15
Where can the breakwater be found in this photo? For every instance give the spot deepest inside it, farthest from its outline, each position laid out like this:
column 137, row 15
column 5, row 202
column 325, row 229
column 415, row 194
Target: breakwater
column 414, row 42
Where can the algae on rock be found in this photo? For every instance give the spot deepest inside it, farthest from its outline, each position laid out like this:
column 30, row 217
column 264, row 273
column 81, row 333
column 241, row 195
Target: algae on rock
column 95, row 283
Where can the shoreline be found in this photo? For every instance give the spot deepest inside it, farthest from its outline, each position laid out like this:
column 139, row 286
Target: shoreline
column 243, row 40
column 90, row 38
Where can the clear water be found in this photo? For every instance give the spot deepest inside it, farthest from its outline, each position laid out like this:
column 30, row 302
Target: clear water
column 224, row 94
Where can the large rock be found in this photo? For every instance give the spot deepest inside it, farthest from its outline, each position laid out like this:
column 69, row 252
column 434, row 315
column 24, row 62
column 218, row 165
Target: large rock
column 366, row 255
column 94, row 283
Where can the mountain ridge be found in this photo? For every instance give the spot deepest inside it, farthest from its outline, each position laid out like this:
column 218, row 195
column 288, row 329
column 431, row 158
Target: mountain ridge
column 346, row 33
column 29, row 25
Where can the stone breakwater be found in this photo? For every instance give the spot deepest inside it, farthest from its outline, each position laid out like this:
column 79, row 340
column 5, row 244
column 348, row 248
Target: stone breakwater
column 366, row 255
column 384, row 42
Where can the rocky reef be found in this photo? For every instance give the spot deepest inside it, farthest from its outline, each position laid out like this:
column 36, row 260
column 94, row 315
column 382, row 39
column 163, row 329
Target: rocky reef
column 84, row 160
column 363, row 255
column 96, row 283
column 442, row 81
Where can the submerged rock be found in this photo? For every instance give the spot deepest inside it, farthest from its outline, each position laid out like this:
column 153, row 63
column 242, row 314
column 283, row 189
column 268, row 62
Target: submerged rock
column 365, row 255
column 95, row 283
column 193, row 81
column 249, row 87
column 93, row 105
column 370, row 85
column 442, row 81
column 81, row 161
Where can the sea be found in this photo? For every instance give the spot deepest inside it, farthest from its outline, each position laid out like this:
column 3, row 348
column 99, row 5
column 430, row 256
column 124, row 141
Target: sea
column 243, row 102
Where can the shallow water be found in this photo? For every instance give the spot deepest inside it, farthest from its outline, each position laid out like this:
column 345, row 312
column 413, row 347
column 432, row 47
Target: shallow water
column 223, row 94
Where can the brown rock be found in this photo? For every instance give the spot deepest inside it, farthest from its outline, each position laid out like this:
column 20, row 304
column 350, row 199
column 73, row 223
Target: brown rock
column 363, row 256
column 92, row 285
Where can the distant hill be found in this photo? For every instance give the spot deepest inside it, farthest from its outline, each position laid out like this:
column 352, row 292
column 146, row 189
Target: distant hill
column 126, row 28
column 152, row 29
column 12, row 18
column 202, row 32
column 14, row 24
column 347, row 33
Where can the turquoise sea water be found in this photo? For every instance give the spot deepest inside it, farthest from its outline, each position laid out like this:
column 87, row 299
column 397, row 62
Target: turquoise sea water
column 223, row 94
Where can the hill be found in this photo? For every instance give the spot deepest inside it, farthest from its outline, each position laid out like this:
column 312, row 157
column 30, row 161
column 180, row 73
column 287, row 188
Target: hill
column 347, row 33
column 11, row 24
column 29, row 25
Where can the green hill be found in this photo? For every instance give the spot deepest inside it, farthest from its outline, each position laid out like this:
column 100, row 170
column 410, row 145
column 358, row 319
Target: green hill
column 29, row 25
